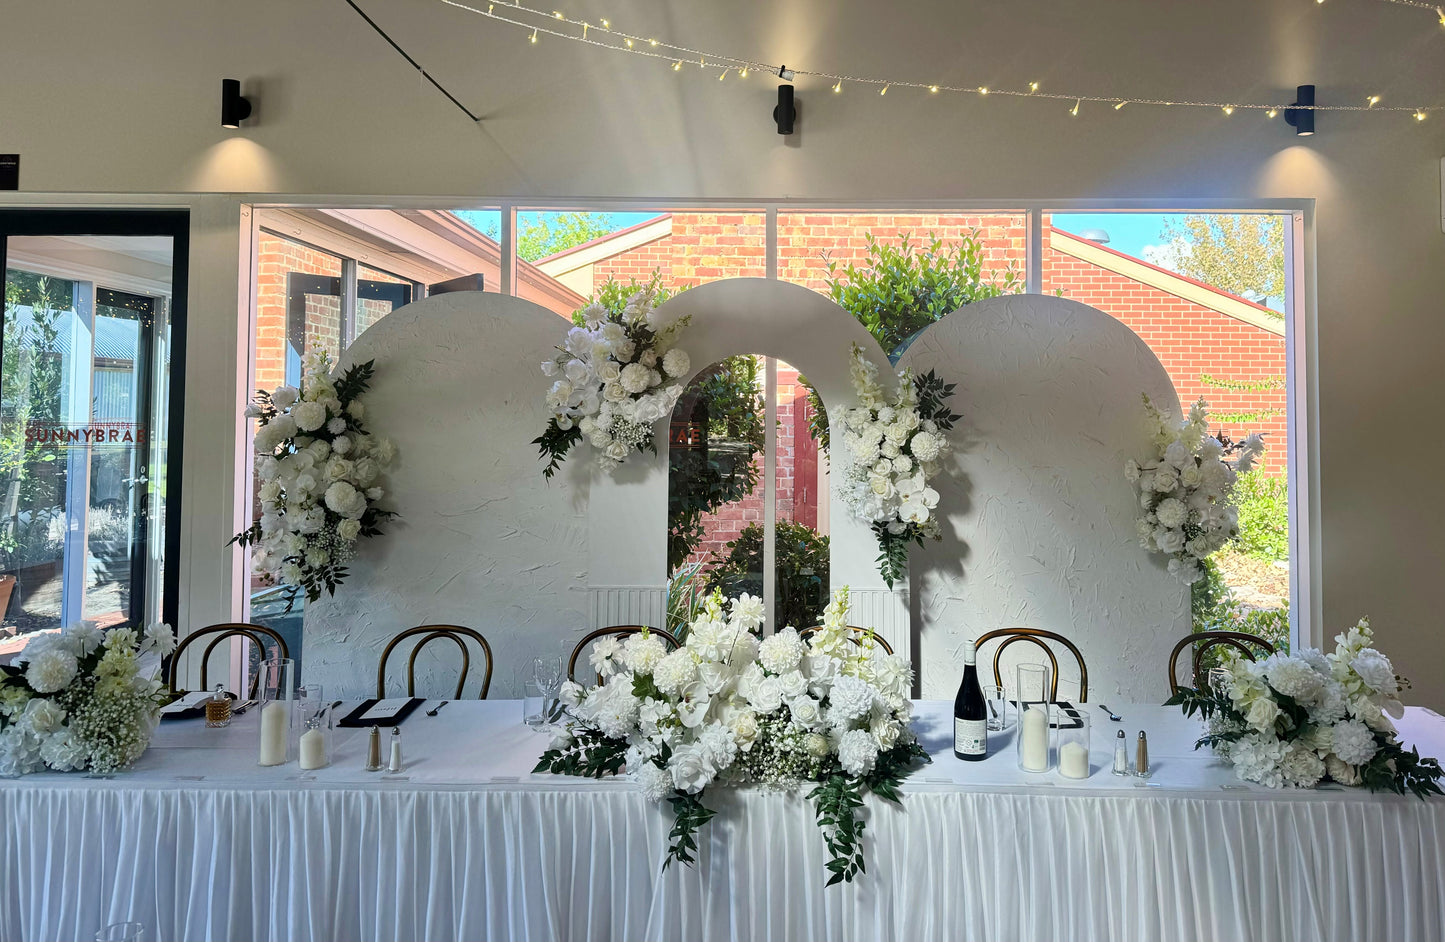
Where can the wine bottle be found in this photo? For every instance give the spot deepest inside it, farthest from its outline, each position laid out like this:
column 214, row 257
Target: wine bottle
column 970, row 721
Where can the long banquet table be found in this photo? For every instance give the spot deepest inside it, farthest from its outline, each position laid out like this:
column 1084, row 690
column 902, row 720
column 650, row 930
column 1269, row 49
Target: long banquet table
column 197, row 842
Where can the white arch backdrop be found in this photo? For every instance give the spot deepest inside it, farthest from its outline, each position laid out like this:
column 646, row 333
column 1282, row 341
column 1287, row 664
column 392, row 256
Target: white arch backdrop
column 1039, row 519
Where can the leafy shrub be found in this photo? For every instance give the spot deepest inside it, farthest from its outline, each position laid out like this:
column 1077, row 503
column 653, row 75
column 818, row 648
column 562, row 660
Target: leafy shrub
column 1263, row 516
column 1213, row 607
column 897, row 291
column 802, row 567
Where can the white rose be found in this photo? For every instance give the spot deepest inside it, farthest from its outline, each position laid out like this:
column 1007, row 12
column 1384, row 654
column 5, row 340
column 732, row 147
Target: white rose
column 806, row 712
column 745, row 728
column 691, row 772
column 271, row 490
column 348, row 529
column 284, row 396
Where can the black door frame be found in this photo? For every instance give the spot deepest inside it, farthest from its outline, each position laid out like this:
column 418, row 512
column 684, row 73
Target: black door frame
column 175, row 223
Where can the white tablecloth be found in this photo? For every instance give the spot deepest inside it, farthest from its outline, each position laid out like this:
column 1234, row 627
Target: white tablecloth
column 200, row 843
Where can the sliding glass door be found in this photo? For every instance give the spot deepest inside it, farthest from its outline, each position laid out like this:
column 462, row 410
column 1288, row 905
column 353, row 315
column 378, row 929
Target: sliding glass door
column 89, row 418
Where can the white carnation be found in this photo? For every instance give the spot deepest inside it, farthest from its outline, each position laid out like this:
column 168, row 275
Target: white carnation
column 309, row 416
column 1294, row 677
column 850, row 698
column 1171, row 513
column 780, row 652
column 51, row 670
column 655, row 782
column 1301, row 767
column 1354, row 743
column 857, row 752
column 676, row 363
column 642, row 653
column 345, row 500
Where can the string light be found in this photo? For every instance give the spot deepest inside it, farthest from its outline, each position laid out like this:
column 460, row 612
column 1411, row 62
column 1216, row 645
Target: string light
column 883, row 90
column 1228, row 110
column 722, row 75
column 675, row 55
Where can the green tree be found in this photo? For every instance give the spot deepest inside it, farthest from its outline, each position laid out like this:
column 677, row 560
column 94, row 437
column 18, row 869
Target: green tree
column 802, row 570
column 1240, row 253
column 543, row 234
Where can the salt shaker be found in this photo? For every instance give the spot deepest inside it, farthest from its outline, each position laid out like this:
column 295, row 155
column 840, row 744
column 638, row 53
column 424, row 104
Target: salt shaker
column 1121, row 754
column 395, row 765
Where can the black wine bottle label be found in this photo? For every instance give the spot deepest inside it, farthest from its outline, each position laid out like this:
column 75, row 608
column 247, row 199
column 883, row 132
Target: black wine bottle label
column 970, row 737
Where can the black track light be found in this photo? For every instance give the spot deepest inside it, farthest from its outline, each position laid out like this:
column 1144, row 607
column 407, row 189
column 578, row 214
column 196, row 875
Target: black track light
column 234, row 107
column 1302, row 119
column 785, row 114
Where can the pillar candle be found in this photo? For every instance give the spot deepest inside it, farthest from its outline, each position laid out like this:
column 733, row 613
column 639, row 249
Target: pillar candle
column 1074, row 760
column 273, row 732
column 1034, row 745
column 313, row 749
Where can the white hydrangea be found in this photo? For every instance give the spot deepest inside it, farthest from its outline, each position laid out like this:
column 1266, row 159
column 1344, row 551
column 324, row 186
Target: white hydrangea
column 1302, row 767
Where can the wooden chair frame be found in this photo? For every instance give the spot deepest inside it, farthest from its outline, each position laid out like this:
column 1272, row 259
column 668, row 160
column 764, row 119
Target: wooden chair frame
column 455, row 634
column 858, row 635
column 1037, row 636
column 1235, row 639
column 222, row 632
column 620, row 630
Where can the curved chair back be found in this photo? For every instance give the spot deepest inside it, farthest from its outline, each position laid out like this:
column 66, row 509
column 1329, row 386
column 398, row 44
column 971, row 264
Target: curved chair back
column 859, row 634
column 620, row 631
column 254, row 633
column 1239, row 640
column 1040, row 637
column 458, row 635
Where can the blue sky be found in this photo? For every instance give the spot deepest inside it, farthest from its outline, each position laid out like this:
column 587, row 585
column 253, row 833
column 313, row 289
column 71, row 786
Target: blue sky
column 1128, row 232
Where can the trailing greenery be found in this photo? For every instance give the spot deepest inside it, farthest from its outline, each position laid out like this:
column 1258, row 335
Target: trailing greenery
column 590, row 754
column 1263, row 504
column 1246, row 417
column 689, row 815
column 725, row 402
column 1243, row 385
column 801, row 566
column 897, row 291
column 839, row 797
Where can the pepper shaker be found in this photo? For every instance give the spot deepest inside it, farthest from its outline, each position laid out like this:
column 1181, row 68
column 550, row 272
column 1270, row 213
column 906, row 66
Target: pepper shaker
column 1141, row 758
column 373, row 750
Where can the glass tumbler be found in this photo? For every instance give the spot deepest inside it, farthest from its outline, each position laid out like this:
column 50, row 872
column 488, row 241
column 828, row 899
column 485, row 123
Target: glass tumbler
column 995, row 703
column 1034, row 729
column 1071, row 733
column 534, row 704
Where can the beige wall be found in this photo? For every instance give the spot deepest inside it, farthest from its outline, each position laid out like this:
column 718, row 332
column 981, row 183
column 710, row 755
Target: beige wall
column 123, row 99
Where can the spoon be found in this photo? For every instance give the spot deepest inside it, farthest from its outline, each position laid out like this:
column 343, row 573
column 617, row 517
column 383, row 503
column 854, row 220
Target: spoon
column 1112, row 715
column 437, row 709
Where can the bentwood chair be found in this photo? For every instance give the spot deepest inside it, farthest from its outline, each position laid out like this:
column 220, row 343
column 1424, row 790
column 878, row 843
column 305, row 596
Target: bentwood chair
column 253, row 633
column 618, row 631
column 1040, row 637
column 1239, row 640
column 859, row 636
column 453, row 633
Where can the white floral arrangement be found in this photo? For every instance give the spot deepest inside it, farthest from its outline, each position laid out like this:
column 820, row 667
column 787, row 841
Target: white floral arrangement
column 320, row 473
column 81, row 698
column 893, row 450
column 1186, row 489
column 1297, row 719
column 616, row 375
column 731, row 708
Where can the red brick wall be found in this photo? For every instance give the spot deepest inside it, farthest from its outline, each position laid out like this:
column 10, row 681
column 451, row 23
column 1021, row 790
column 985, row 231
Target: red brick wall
column 276, row 258
column 1191, row 341
column 702, row 247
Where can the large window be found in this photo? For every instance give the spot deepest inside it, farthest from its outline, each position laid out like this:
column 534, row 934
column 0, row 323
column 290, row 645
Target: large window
column 1211, row 293
column 93, row 322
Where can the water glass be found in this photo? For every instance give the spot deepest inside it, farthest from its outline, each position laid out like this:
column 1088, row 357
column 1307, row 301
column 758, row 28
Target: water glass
column 1071, row 725
column 121, row 932
column 995, row 703
column 1033, row 719
column 534, row 704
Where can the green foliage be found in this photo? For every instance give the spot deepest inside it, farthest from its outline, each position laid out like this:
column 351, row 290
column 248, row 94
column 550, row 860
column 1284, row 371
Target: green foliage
column 554, row 443
column 31, row 473
column 1263, row 504
column 1243, row 385
column 802, row 570
column 590, row 754
column 685, row 593
column 549, row 233
column 899, row 290
column 726, row 402
column 689, row 815
column 837, row 801
column 1242, row 253
column 614, row 295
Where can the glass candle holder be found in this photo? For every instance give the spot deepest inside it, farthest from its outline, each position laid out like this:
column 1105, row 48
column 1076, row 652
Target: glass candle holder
column 277, row 691
column 1071, row 734
column 1034, row 728
column 311, row 724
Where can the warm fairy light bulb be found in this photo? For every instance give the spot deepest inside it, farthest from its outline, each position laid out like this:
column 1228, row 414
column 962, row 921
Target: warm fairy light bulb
column 1075, row 110
column 838, row 86
column 677, row 66
column 1419, row 116
column 533, row 38
column 1033, row 86
column 1120, row 105
column 558, row 14
column 606, row 24
column 933, row 89
column 883, row 90
column 983, row 89
column 490, row 8
column 1373, row 100
column 743, row 72
column 722, row 75
column 1440, row 11
column 629, row 43
column 1228, row 109
column 1271, row 113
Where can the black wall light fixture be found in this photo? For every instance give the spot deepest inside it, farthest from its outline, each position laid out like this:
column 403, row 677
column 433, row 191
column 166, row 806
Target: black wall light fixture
column 1302, row 117
column 785, row 113
column 234, row 108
